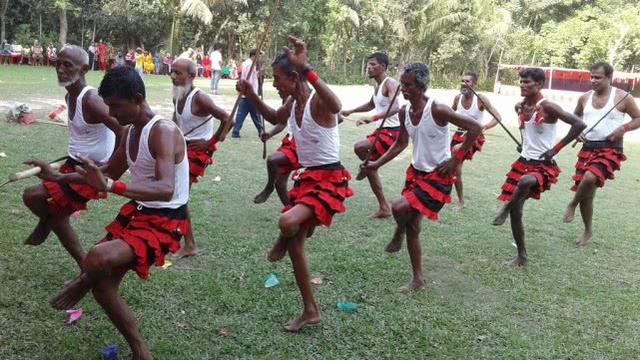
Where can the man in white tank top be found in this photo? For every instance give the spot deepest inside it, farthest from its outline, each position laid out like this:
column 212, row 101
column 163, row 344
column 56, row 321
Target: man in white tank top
column 432, row 172
column 468, row 104
column 602, row 151
column 194, row 111
column 92, row 134
column 148, row 226
column 383, row 137
column 535, row 171
column 322, row 186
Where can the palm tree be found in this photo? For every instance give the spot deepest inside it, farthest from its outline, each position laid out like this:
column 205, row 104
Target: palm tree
column 196, row 9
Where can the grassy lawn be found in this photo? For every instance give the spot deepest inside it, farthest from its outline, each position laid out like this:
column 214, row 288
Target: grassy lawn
column 569, row 303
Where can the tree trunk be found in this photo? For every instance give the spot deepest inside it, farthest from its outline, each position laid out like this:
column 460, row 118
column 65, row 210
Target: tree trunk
column 40, row 27
column 62, row 36
column 93, row 35
column 4, row 4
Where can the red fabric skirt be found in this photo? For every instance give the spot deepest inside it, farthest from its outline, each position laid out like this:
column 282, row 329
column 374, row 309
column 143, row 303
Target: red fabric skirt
column 150, row 232
column 427, row 192
column 65, row 199
column 546, row 173
column 199, row 160
column 601, row 162
column 288, row 148
column 458, row 138
column 322, row 188
column 386, row 138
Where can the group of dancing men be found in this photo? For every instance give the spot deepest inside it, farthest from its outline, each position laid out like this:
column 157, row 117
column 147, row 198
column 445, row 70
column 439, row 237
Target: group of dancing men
column 113, row 130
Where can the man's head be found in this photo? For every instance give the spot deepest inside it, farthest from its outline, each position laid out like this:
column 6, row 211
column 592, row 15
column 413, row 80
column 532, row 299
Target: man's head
column 285, row 77
column 601, row 76
column 183, row 72
column 72, row 65
column 377, row 64
column 414, row 80
column 469, row 80
column 531, row 81
column 36, row 42
column 123, row 91
column 252, row 53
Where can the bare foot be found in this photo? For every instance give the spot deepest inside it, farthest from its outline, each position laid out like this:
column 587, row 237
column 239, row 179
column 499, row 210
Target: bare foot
column 304, row 319
column 278, row 251
column 39, row 234
column 186, row 251
column 382, row 213
column 264, row 195
column 413, row 286
column 71, row 294
column 310, row 231
column 459, row 207
column 569, row 214
column 502, row 216
column 361, row 175
column 396, row 242
column 585, row 239
column 519, row 261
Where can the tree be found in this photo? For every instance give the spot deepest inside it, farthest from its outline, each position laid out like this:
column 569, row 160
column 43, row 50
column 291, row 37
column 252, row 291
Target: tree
column 4, row 4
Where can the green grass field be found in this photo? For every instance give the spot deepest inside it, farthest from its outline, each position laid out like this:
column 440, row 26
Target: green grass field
column 569, row 303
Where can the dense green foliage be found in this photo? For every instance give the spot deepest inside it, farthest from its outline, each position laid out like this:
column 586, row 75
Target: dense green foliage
column 449, row 35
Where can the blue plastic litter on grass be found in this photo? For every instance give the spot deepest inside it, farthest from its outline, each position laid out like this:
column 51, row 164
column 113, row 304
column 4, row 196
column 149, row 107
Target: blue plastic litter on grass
column 110, row 353
column 271, row 281
column 348, row 307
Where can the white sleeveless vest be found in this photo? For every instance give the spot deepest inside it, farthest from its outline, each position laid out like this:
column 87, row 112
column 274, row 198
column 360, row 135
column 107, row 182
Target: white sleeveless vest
column 537, row 138
column 316, row 145
column 187, row 121
column 591, row 115
column 143, row 170
column 431, row 142
column 93, row 141
column 382, row 103
column 473, row 112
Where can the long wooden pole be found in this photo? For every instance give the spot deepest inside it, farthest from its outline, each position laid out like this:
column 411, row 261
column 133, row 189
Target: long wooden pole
column 229, row 124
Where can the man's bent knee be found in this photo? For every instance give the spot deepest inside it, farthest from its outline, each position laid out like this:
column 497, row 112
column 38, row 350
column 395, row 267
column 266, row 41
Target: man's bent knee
column 288, row 225
column 526, row 182
column 34, row 194
column 590, row 178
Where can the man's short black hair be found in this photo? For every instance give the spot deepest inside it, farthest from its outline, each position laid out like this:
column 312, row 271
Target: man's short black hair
column 473, row 75
column 253, row 52
column 608, row 69
column 381, row 58
column 124, row 82
column 536, row 74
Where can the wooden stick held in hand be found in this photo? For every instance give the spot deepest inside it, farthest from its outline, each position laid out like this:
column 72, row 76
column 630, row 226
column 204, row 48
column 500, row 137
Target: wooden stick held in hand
column 33, row 171
column 267, row 29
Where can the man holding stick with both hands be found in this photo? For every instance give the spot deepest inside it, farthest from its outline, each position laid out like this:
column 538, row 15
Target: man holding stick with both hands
column 92, row 135
column 148, row 226
column 603, row 111
column 321, row 185
column 381, row 139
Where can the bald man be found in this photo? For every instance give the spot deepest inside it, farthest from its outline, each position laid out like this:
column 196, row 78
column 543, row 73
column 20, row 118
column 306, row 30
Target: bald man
column 194, row 113
column 92, row 135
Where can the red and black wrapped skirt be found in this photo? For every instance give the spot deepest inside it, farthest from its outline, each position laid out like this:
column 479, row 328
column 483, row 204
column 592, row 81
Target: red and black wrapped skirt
column 199, row 160
column 601, row 158
column 458, row 138
column 65, row 199
column 150, row 232
column 288, row 148
column 322, row 188
column 545, row 172
column 427, row 192
column 386, row 138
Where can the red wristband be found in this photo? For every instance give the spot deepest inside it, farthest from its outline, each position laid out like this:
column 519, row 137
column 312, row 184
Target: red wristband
column 312, row 77
column 375, row 117
column 557, row 148
column 459, row 155
column 212, row 145
column 119, row 187
column 626, row 127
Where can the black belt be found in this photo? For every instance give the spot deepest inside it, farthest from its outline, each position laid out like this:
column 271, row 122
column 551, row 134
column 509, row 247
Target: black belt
column 536, row 162
column 593, row 145
column 179, row 213
column 332, row 166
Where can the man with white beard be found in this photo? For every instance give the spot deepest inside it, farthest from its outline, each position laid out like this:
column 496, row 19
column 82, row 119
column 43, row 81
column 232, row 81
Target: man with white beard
column 194, row 111
column 92, row 135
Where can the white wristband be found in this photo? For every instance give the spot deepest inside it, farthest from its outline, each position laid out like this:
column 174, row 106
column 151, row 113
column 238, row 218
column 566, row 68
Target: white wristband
column 110, row 184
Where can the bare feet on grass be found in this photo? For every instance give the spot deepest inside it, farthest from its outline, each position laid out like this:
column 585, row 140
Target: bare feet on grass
column 263, row 196
column 502, row 216
column 186, row 251
column 518, row 261
column 459, row 207
column 70, row 294
column 415, row 284
column 304, row 319
column 396, row 242
column 584, row 239
column 39, row 234
column 382, row 213
column 278, row 251
column 569, row 214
